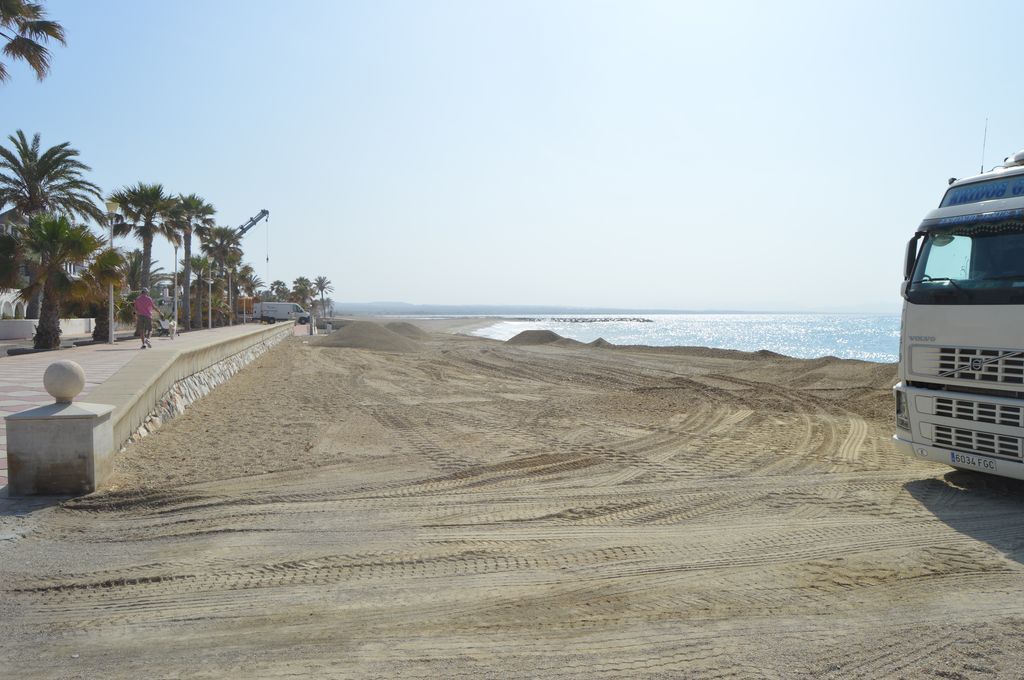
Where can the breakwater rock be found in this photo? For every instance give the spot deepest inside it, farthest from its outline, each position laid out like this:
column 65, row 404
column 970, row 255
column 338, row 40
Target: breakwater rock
column 589, row 319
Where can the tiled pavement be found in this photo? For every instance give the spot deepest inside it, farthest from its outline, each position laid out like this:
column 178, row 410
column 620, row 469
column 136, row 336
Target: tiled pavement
column 21, row 377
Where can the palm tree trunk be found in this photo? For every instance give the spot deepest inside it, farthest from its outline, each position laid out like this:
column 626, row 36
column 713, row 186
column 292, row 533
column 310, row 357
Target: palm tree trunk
column 35, row 304
column 48, row 330
column 187, row 233
column 100, row 331
column 147, row 260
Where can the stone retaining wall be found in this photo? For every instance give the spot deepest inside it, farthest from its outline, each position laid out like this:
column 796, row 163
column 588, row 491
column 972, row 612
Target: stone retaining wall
column 187, row 391
column 138, row 391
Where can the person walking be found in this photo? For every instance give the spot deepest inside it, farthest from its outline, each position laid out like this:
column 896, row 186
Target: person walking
column 144, row 317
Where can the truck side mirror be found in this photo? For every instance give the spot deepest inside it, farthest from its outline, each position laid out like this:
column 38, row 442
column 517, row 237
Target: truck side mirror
column 911, row 257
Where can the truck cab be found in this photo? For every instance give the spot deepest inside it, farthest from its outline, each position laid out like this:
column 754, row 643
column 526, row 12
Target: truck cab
column 960, row 399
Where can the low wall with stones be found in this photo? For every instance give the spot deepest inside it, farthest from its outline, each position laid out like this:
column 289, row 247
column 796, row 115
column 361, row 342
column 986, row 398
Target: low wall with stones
column 189, row 390
column 159, row 384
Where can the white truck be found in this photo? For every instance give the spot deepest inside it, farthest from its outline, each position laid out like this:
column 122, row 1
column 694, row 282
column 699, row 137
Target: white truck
column 272, row 312
column 960, row 399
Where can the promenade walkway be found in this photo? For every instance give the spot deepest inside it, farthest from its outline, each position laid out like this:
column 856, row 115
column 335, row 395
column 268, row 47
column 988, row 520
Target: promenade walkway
column 21, row 377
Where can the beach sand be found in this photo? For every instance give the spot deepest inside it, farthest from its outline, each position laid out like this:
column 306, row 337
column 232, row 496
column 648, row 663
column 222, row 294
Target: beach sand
column 462, row 507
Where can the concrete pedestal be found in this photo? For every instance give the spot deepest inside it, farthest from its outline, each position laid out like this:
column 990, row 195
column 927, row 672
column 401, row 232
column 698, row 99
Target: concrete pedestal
column 59, row 449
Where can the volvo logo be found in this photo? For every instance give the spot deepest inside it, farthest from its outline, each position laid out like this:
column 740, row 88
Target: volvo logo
column 977, row 363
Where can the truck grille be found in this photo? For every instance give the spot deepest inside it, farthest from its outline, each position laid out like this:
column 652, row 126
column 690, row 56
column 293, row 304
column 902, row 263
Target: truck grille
column 988, row 365
column 978, row 411
column 977, row 442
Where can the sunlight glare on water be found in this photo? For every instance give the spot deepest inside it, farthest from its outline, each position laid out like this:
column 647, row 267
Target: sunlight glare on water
column 870, row 337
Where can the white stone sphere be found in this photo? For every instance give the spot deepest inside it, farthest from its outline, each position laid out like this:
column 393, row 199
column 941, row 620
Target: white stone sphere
column 64, row 380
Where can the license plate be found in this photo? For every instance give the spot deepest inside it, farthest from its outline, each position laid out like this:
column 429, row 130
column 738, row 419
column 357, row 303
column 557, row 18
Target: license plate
column 973, row 461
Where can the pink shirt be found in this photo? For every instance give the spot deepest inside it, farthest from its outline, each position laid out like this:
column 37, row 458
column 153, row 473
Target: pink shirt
column 144, row 305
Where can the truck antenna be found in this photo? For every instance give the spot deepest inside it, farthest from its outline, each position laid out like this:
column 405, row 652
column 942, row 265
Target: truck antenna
column 984, row 138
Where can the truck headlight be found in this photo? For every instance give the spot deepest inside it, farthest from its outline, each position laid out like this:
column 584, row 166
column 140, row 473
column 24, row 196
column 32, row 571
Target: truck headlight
column 902, row 411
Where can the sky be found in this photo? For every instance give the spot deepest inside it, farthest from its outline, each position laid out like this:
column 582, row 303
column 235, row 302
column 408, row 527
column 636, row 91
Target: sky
column 634, row 154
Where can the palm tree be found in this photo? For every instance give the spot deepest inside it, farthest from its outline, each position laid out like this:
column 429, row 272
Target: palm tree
column 248, row 282
column 231, row 263
column 131, row 271
column 302, row 292
column 279, row 290
column 143, row 211
column 322, row 285
column 198, row 265
column 24, row 27
column 106, row 269
column 11, row 257
column 34, row 181
column 191, row 214
column 48, row 246
column 221, row 243
column 224, row 245
column 327, row 307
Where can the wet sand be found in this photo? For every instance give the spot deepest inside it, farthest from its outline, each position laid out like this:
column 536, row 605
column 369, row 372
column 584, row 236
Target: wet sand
column 470, row 508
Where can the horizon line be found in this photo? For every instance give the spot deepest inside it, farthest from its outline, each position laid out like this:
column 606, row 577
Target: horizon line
column 584, row 309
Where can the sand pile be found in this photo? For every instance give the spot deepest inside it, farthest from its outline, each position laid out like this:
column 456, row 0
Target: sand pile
column 535, row 338
column 543, row 338
column 367, row 335
column 601, row 342
column 408, row 330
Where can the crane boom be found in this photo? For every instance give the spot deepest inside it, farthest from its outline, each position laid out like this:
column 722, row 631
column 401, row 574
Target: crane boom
column 253, row 221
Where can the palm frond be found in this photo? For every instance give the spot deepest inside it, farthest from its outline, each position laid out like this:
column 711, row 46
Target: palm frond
column 31, row 52
column 42, row 29
column 27, row 29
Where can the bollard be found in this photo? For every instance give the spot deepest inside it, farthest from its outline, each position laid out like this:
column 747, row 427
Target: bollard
column 62, row 448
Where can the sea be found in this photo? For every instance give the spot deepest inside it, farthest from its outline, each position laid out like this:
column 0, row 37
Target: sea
column 869, row 337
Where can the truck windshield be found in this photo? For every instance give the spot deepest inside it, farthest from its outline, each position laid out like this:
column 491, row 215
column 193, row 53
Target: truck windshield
column 972, row 264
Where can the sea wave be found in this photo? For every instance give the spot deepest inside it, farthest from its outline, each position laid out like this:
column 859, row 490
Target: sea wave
column 869, row 337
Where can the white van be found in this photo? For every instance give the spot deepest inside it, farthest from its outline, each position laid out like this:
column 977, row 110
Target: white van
column 272, row 312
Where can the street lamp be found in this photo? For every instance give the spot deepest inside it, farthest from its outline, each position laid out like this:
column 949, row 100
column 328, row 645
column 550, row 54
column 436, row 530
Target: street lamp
column 209, row 293
column 174, row 306
column 111, row 215
column 231, row 308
